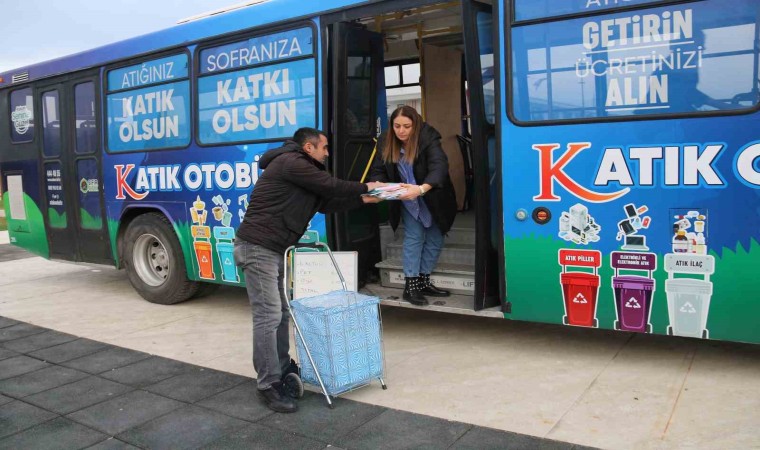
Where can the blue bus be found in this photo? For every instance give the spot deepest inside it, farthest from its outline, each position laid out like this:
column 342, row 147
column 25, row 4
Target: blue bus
column 604, row 152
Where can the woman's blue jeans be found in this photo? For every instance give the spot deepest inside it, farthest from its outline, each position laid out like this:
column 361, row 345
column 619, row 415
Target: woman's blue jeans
column 422, row 246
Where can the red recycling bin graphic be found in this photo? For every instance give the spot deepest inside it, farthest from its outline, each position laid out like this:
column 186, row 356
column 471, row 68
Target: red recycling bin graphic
column 633, row 294
column 580, row 290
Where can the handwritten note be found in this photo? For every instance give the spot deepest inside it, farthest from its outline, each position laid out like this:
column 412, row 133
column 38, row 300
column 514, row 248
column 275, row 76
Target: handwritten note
column 314, row 273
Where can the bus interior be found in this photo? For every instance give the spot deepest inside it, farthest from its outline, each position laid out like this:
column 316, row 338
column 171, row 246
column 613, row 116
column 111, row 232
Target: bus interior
column 379, row 60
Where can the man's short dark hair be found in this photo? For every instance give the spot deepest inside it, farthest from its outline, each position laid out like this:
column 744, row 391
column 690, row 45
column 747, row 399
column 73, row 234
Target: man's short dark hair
column 304, row 135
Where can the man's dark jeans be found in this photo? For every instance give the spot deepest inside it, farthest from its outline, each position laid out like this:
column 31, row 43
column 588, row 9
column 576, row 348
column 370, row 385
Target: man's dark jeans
column 263, row 269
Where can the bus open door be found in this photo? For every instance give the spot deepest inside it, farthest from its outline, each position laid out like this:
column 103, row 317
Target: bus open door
column 380, row 58
column 356, row 116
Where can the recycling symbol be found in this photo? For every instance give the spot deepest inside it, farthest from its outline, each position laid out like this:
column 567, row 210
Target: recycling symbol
column 204, row 259
column 688, row 308
column 633, row 303
column 580, row 299
column 227, row 261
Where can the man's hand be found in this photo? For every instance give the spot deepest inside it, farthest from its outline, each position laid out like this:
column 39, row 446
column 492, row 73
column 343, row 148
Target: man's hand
column 371, row 199
column 374, row 185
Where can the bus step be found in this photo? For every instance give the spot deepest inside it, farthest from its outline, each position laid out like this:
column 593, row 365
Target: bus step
column 462, row 254
column 457, row 278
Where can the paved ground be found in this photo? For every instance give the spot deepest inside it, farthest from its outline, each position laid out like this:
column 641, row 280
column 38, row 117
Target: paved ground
column 590, row 387
column 61, row 391
column 12, row 253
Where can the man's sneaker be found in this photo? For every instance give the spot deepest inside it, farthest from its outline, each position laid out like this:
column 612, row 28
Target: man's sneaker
column 277, row 400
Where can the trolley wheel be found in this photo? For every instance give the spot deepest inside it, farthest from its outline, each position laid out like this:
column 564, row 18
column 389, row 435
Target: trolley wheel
column 331, row 405
column 154, row 261
column 293, row 385
column 385, row 387
column 669, row 330
column 596, row 323
column 564, row 320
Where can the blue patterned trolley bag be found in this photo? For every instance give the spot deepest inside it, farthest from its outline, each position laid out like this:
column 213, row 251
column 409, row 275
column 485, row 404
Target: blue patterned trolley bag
column 339, row 337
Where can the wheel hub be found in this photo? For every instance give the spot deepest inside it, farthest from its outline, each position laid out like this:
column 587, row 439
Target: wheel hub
column 151, row 260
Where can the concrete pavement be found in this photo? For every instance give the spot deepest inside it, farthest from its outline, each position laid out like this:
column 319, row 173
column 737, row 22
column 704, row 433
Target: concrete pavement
column 588, row 387
column 60, row 391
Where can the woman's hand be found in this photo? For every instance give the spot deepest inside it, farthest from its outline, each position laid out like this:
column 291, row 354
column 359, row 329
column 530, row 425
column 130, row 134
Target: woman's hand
column 412, row 191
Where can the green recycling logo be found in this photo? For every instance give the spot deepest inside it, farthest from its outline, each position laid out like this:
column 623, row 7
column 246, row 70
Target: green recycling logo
column 21, row 119
column 91, row 185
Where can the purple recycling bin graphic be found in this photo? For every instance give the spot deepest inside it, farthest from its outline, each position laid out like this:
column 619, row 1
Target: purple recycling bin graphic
column 633, row 293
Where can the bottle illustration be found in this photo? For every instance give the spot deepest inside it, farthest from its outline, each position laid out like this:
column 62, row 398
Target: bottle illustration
column 680, row 242
column 202, row 239
column 701, row 247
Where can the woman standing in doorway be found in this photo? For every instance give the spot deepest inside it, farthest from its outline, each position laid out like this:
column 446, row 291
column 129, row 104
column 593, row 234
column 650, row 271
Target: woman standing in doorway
column 412, row 155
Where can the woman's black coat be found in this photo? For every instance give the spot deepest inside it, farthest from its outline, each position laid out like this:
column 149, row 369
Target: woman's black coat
column 431, row 167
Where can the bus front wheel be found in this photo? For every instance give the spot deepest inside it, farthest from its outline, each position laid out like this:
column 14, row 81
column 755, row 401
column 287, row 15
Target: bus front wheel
column 154, row 261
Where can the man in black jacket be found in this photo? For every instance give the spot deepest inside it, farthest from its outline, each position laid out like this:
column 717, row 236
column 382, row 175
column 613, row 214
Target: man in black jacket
column 292, row 188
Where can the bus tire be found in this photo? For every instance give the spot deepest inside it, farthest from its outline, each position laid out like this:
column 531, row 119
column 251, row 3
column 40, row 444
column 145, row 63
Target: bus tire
column 154, row 261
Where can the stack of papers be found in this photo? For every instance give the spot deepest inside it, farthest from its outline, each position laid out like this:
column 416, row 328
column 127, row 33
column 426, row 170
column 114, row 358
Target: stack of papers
column 391, row 191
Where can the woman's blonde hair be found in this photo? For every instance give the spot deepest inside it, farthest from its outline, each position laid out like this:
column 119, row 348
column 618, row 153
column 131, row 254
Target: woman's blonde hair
column 392, row 145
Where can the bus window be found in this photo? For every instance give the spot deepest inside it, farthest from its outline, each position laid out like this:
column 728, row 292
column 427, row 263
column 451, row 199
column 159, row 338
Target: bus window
column 259, row 89
column 402, row 85
column 22, row 116
column 90, row 214
column 485, row 44
column 693, row 57
column 51, row 125
column 86, row 126
column 392, row 77
column 56, row 201
column 359, row 112
column 148, row 105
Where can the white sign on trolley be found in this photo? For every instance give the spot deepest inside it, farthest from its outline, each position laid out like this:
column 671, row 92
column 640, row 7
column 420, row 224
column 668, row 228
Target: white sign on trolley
column 314, row 273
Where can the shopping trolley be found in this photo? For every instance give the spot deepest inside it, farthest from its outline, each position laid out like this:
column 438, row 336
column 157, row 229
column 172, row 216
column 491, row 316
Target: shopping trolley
column 340, row 333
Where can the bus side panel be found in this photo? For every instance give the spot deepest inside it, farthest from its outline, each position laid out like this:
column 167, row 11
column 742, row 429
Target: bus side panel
column 648, row 222
column 26, row 223
column 204, row 190
column 204, row 217
column 628, row 267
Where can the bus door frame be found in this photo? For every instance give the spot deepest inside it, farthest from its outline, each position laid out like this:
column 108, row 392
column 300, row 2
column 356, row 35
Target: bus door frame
column 490, row 282
column 345, row 38
column 73, row 243
column 490, row 286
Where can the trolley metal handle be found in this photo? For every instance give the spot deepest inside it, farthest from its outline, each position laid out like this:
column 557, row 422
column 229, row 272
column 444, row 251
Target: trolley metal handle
column 293, row 249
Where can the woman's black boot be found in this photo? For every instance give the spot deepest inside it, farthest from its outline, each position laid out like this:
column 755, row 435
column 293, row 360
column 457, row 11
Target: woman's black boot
column 412, row 291
column 428, row 288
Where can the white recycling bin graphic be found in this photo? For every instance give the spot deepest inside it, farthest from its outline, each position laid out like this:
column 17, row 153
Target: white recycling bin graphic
column 688, row 298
